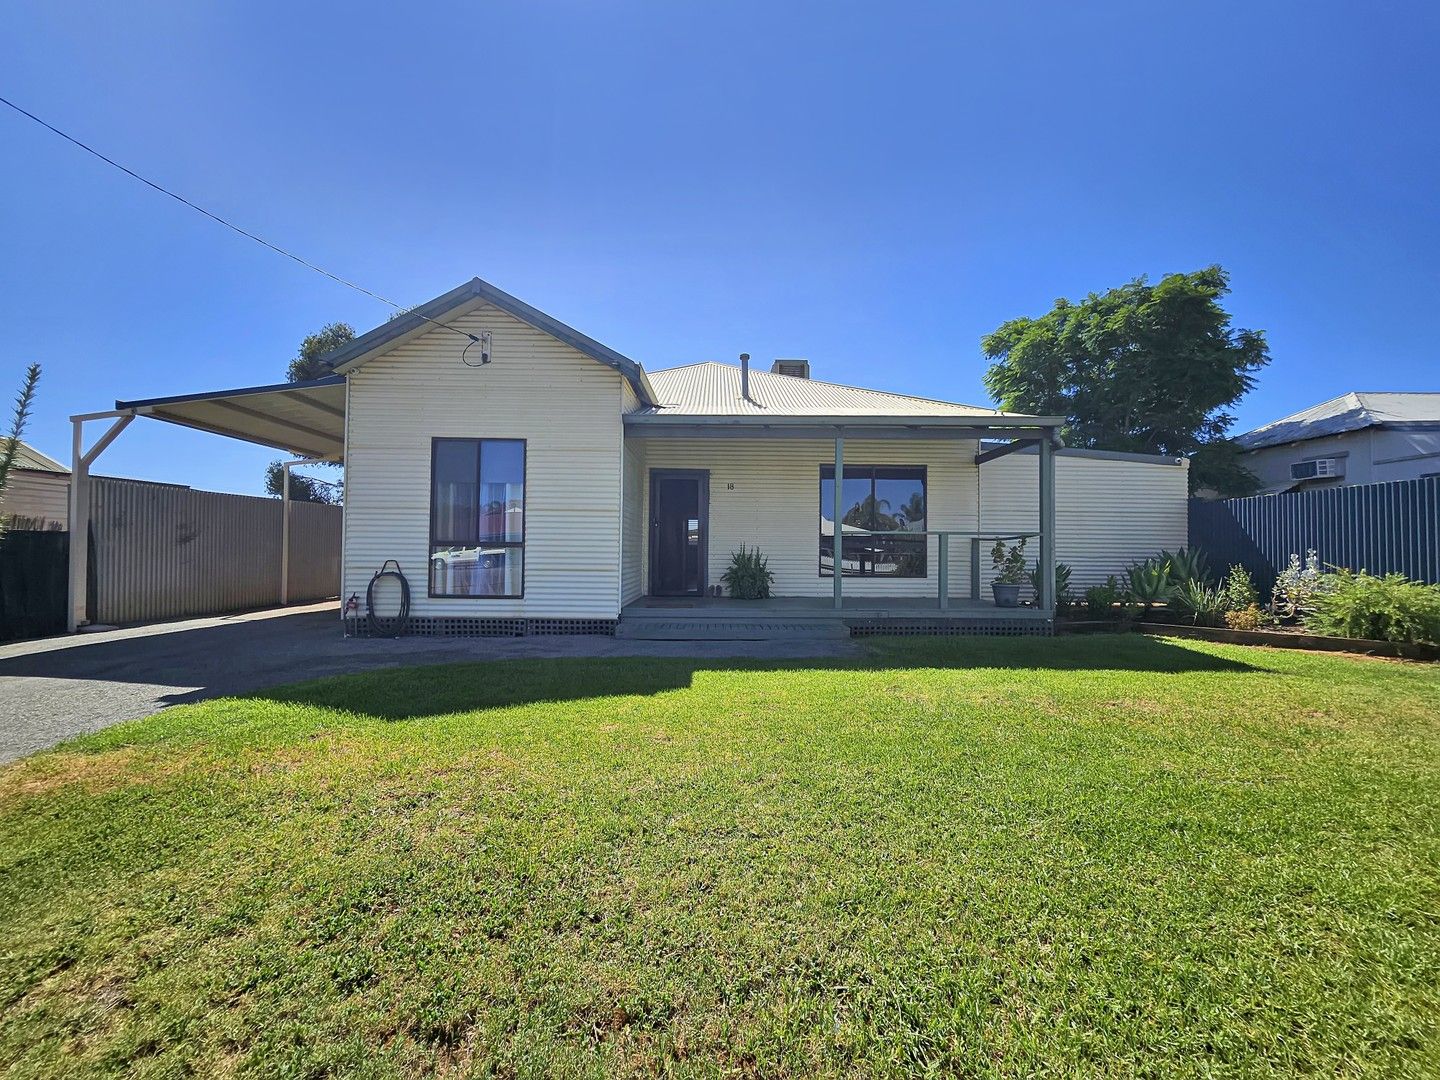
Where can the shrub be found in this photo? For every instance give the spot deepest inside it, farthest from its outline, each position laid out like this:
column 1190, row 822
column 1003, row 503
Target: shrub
column 1008, row 562
column 1250, row 618
column 1204, row 605
column 1297, row 587
column 1389, row 608
column 748, row 576
column 1062, row 583
column 1100, row 600
column 1237, row 591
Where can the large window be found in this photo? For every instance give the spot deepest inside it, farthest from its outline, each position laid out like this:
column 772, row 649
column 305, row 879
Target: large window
column 875, row 498
column 477, row 517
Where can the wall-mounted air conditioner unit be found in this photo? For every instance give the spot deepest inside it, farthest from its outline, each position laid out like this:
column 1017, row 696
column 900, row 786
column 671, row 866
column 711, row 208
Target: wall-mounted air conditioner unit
column 1317, row 469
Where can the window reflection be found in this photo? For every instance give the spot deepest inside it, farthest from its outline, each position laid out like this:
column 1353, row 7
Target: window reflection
column 875, row 498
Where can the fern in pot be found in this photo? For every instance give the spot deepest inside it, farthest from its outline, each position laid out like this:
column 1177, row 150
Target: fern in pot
column 1011, row 571
column 748, row 576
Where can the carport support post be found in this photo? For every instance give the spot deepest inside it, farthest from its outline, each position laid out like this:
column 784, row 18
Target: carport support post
column 1047, row 525
column 80, row 462
column 285, row 467
column 839, row 510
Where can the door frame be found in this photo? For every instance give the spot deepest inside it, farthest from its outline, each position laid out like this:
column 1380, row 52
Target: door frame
column 652, row 525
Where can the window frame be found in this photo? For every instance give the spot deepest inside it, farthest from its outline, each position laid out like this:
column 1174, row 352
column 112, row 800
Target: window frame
column 923, row 470
column 479, row 441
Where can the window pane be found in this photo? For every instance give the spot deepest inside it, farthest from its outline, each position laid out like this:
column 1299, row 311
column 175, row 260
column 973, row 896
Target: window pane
column 452, row 500
column 877, row 499
column 476, row 571
column 899, row 501
column 502, row 490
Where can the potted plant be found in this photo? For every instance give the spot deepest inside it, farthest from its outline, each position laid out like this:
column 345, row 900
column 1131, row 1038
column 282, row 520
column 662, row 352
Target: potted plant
column 1010, row 572
column 748, row 576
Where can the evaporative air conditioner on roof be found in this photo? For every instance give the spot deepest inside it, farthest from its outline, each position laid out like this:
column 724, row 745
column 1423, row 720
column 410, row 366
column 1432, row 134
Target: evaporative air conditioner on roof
column 799, row 369
column 1317, row 469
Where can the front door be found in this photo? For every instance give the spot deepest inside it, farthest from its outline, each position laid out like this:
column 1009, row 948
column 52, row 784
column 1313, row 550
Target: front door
column 678, row 512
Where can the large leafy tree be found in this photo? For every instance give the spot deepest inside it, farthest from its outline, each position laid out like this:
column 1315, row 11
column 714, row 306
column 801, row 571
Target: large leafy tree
column 308, row 365
column 1148, row 368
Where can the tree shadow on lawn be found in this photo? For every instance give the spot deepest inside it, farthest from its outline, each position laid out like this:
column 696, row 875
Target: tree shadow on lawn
column 410, row 693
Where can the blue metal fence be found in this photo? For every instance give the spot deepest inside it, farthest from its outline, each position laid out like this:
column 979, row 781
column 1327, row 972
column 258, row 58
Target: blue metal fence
column 1381, row 528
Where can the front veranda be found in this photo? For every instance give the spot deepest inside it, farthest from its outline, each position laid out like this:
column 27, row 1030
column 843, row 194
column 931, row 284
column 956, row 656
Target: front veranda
column 912, row 543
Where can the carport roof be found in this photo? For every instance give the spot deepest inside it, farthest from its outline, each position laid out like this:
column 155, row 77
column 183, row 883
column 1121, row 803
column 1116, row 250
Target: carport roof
column 302, row 417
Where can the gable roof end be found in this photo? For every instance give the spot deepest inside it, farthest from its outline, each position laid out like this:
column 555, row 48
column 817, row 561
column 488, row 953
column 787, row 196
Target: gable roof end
column 356, row 353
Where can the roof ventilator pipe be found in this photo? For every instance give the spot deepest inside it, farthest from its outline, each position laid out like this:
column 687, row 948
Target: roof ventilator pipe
column 745, row 375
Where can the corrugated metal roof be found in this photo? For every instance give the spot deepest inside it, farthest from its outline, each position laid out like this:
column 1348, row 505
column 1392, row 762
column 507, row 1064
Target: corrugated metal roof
column 713, row 389
column 1348, row 412
column 27, row 457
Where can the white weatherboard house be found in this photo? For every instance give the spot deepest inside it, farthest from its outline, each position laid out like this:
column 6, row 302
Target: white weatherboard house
column 533, row 480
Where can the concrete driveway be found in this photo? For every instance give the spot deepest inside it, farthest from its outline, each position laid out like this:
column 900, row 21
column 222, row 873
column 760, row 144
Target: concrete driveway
column 54, row 689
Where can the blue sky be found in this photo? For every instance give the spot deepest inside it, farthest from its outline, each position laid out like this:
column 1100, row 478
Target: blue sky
column 869, row 189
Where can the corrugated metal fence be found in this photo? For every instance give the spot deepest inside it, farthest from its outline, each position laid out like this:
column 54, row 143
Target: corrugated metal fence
column 1381, row 528
column 163, row 552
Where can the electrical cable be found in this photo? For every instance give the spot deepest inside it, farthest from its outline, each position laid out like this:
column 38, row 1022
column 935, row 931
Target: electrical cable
column 400, row 622
column 233, row 227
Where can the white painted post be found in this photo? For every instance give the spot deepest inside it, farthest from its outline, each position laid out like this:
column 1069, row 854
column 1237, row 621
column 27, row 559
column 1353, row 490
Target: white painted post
column 79, row 525
column 838, row 542
column 285, row 533
column 1047, row 525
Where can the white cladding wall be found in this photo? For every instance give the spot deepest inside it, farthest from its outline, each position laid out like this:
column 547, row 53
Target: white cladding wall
column 1108, row 513
column 35, row 494
column 632, row 537
column 767, row 492
column 565, row 405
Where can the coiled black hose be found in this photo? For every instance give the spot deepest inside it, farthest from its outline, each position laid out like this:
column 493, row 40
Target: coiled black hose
column 400, row 622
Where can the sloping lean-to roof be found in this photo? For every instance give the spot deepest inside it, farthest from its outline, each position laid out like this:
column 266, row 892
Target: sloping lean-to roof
column 1348, row 412
column 306, row 418
column 712, row 389
column 418, row 320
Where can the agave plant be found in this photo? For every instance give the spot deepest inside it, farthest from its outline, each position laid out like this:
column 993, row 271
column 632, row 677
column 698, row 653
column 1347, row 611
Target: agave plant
column 1149, row 582
column 1186, row 565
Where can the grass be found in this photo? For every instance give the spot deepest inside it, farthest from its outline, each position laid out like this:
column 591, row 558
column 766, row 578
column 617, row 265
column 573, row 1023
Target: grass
column 1106, row 856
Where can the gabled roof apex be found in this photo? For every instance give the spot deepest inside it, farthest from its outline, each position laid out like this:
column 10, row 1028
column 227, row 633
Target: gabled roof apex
column 355, row 353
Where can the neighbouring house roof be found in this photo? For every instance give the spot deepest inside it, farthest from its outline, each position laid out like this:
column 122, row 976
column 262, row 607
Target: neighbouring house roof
column 1348, row 412
column 713, row 389
column 418, row 321
column 27, row 457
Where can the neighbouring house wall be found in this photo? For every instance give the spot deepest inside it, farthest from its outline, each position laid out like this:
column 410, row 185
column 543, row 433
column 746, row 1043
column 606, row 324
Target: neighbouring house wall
column 1108, row 512
column 35, row 494
column 1403, row 455
column 1272, row 463
column 767, row 492
column 567, row 408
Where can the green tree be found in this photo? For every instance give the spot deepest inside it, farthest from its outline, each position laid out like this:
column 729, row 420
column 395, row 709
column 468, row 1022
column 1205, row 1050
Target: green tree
column 307, row 364
column 10, row 445
column 302, row 488
column 1147, row 368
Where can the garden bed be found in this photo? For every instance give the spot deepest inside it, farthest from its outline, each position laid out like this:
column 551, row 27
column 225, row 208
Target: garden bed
column 1292, row 639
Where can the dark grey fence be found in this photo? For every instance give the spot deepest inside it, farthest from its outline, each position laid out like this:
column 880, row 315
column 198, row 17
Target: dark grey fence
column 1382, row 528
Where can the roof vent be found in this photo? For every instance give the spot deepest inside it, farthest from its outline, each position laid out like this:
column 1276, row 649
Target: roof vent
column 799, row 369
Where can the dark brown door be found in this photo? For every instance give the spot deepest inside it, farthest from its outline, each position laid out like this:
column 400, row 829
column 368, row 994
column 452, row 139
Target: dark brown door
column 677, row 532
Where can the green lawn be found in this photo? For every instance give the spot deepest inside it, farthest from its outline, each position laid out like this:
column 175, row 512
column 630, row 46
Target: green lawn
column 1109, row 856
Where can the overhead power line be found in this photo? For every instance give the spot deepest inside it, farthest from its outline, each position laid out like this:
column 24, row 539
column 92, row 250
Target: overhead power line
column 229, row 224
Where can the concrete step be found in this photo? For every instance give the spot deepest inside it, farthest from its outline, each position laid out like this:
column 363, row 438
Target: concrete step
column 683, row 629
